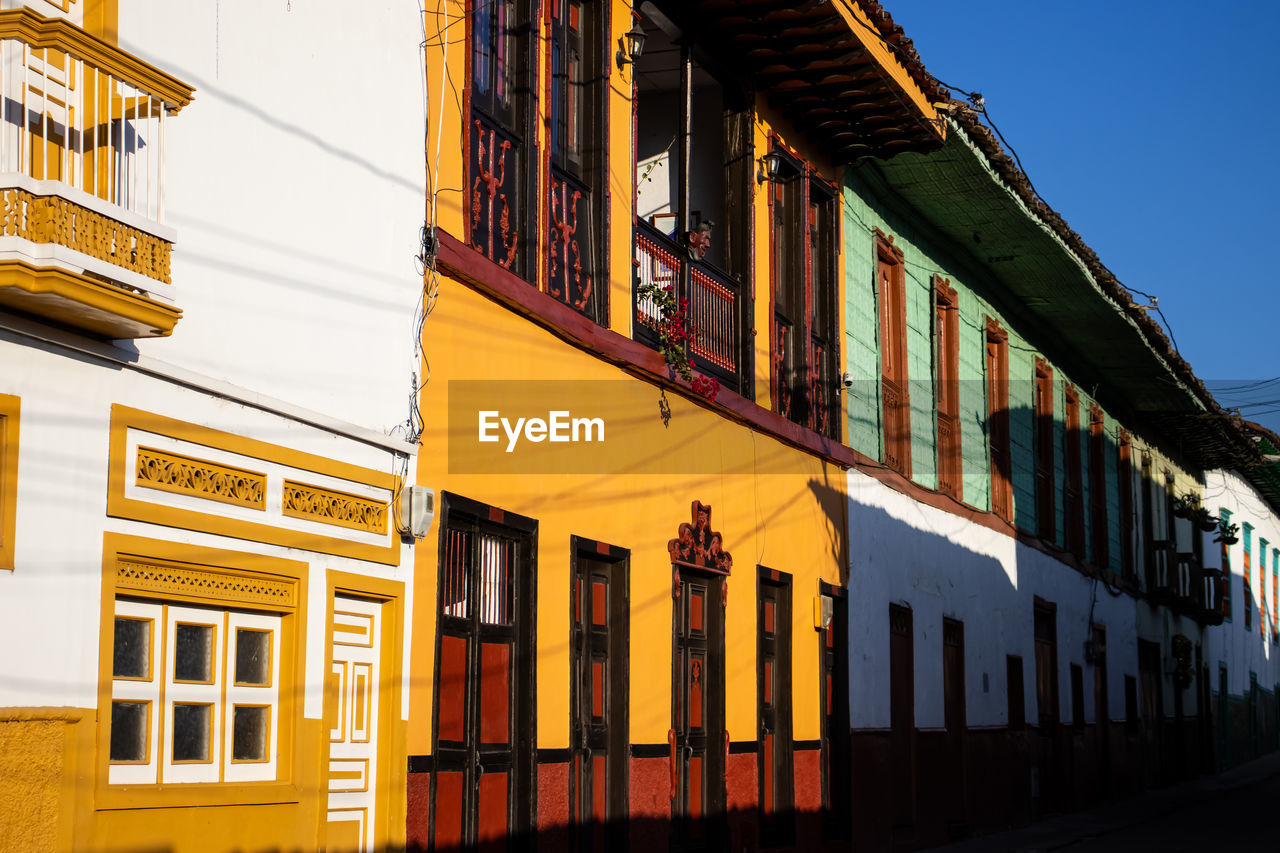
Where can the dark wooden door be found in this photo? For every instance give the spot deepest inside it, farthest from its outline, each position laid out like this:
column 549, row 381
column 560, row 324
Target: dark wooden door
column 483, row 786
column 837, row 796
column 1152, row 709
column 598, row 698
column 773, row 696
column 954, row 711
column 697, row 738
column 902, row 717
column 1101, row 708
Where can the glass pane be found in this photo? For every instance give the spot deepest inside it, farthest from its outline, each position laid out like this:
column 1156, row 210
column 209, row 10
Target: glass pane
column 249, row 733
column 191, row 732
column 193, row 655
column 129, row 731
column 253, row 657
column 132, row 654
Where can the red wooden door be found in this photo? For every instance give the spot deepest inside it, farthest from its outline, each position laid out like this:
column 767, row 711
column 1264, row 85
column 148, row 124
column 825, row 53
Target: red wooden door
column 598, row 698
column 777, row 778
column 697, row 737
column 483, row 782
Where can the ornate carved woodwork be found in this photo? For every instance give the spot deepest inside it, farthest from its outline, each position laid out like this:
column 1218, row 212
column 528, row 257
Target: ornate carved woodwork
column 698, row 546
column 494, row 192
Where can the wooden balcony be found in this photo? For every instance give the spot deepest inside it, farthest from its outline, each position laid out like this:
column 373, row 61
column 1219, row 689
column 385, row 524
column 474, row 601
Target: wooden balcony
column 82, row 239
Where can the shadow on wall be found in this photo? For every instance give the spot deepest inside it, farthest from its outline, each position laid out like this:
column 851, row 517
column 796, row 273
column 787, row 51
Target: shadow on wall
column 918, row 600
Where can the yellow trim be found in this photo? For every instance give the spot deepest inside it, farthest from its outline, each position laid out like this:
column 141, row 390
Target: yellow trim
column 328, row 506
column 84, row 302
column 10, row 409
column 284, row 789
column 124, row 418
column 155, row 578
column 54, row 219
column 390, row 806
column 102, row 19
column 865, row 30
column 38, row 31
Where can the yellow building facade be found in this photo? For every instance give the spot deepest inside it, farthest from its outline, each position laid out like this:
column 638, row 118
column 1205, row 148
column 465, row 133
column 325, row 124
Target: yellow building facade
column 625, row 618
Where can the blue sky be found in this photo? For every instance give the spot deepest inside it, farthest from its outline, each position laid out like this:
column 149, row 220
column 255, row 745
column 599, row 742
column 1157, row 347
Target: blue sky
column 1153, row 129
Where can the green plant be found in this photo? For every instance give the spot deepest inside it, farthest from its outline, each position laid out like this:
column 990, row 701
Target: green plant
column 674, row 334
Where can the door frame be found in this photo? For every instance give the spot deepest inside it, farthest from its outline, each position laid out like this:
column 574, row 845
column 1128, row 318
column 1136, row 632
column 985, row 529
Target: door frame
column 524, row 747
column 619, row 787
column 392, row 716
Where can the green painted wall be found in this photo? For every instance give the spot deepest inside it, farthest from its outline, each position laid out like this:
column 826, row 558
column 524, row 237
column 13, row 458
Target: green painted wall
column 865, row 210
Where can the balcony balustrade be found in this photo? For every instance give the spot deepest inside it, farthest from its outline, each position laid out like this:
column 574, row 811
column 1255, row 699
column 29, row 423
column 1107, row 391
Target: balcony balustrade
column 82, row 239
column 712, row 310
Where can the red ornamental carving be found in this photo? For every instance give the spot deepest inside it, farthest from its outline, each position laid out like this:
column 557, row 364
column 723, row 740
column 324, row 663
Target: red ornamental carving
column 698, row 546
column 491, row 174
column 563, row 244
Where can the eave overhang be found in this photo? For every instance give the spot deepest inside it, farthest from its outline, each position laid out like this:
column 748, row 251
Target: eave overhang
column 825, row 66
column 973, row 193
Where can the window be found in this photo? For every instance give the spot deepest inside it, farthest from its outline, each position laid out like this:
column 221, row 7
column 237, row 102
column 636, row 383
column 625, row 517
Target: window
column 1098, row 486
column 1246, row 535
column 576, row 271
column 947, row 335
column 194, row 694
column 695, row 180
column 895, row 396
column 1046, row 637
column 1125, row 467
column 501, row 180
column 1131, row 718
column 805, row 349
column 1225, row 580
column 1263, row 615
column 1045, row 508
column 997, row 365
column 1074, row 499
column 1275, row 595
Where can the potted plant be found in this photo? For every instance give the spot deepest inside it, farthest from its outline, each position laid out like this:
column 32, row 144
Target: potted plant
column 674, row 333
column 1207, row 522
column 1182, row 507
column 1228, row 533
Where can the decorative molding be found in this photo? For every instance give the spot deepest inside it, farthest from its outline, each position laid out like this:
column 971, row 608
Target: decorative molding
column 270, row 527
column 331, row 507
column 204, row 583
column 53, row 219
column 38, row 31
column 173, row 472
column 697, row 546
column 84, row 302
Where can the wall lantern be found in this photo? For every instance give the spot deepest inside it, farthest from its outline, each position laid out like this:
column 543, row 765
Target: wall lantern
column 769, row 166
column 631, row 45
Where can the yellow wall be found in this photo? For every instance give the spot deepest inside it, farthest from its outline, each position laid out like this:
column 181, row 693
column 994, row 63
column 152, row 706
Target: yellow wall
column 774, row 505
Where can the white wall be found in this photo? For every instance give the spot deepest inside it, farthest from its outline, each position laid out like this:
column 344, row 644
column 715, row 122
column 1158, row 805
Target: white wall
column 1242, row 652
column 941, row 565
column 295, row 181
column 50, row 602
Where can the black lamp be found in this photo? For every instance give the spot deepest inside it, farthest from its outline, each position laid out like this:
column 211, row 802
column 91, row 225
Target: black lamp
column 631, row 45
column 769, row 166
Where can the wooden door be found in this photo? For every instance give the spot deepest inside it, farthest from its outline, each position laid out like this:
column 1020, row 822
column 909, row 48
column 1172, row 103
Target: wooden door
column 483, row 787
column 1101, row 707
column 697, row 738
column 598, row 699
column 1152, row 709
column 902, row 716
column 837, row 764
column 352, row 717
column 954, row 716
column 773, row 696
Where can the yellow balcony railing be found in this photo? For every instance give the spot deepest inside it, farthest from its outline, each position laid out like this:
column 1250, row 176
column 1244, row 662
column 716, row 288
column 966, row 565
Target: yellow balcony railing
column 82, row 124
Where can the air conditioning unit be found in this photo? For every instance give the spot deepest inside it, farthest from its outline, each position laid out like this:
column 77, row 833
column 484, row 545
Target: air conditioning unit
column 417, row 507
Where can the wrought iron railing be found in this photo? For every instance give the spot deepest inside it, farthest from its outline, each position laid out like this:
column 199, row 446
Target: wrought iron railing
column 713, row 304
